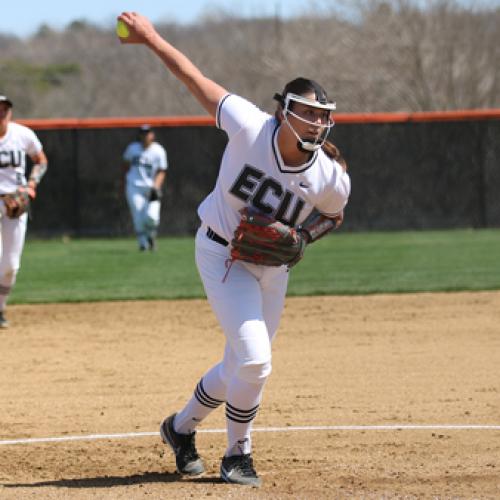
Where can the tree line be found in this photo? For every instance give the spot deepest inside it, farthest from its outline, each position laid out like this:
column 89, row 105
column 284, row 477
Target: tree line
column 374, row 56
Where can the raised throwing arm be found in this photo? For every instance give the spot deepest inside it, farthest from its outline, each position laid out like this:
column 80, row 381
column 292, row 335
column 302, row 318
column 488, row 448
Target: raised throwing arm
column 142, row 31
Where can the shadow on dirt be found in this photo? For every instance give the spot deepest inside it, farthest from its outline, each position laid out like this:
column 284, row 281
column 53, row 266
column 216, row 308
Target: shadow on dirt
column 111, row 481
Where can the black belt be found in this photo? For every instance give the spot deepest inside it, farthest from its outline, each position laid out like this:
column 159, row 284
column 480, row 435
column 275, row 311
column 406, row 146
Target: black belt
column 215, row 237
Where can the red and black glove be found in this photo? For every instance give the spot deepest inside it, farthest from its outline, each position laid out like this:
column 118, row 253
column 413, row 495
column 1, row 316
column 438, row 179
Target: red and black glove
column 262, row 240
column 18, row 202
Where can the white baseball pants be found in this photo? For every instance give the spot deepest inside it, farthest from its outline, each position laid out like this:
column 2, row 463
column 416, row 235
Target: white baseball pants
column 13, row 233
column 248, row 305
column 145, row 214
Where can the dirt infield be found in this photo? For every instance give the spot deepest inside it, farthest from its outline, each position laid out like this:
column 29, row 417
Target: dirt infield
column 120, row 367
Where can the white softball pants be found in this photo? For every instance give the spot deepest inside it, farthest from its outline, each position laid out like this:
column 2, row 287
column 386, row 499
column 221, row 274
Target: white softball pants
column 145, row 214
column 248, row 306
column 13, row 232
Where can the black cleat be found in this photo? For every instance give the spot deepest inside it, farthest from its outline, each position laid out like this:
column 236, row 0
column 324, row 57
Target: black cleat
column 3, row 321
column 152, row 243
column 238, row 469
column 186, row 457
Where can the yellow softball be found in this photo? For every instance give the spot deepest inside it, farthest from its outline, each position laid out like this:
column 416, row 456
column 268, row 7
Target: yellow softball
column 122, row 29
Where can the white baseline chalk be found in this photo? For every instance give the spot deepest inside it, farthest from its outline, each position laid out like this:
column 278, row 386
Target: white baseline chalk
column 394, row 427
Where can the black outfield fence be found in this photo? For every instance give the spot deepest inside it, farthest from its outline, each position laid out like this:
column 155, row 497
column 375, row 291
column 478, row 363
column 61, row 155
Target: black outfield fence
column 408, row 171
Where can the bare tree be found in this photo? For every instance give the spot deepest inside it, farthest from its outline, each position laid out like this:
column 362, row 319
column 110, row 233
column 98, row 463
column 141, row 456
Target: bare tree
column 371, row 55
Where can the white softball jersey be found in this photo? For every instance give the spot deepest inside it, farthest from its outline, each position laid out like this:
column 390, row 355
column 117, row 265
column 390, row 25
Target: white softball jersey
column 247, row 298
column 18, row 142
column 252, row 173
column 144, row 163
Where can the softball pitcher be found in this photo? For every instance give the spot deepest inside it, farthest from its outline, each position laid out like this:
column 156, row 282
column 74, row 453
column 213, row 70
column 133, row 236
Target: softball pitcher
column 145, row 163
column 16, row 141
column 282, row 168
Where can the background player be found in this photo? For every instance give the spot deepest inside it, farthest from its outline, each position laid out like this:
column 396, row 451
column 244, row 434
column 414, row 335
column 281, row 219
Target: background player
column 282, row 166
column 145, row 166
column 16, row 141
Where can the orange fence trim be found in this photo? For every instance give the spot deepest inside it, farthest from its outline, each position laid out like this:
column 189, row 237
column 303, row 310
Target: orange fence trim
column 420, row 116
column 154, row 121
column 201, row 121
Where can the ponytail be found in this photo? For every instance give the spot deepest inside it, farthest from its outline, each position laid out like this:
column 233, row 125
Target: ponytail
column 333, row 152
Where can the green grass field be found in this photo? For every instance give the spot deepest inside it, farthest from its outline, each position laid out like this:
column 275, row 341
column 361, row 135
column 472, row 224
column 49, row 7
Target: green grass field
column 343, row 263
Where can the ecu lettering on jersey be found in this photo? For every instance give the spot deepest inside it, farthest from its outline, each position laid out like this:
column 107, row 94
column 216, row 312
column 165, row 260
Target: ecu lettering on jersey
column 252, row 173
column 254, row 188
column 11, row 159
column 15, row 146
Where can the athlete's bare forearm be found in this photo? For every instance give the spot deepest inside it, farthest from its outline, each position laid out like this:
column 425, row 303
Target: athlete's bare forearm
column 160, row 179
column 206, row 91
column 38, row 170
